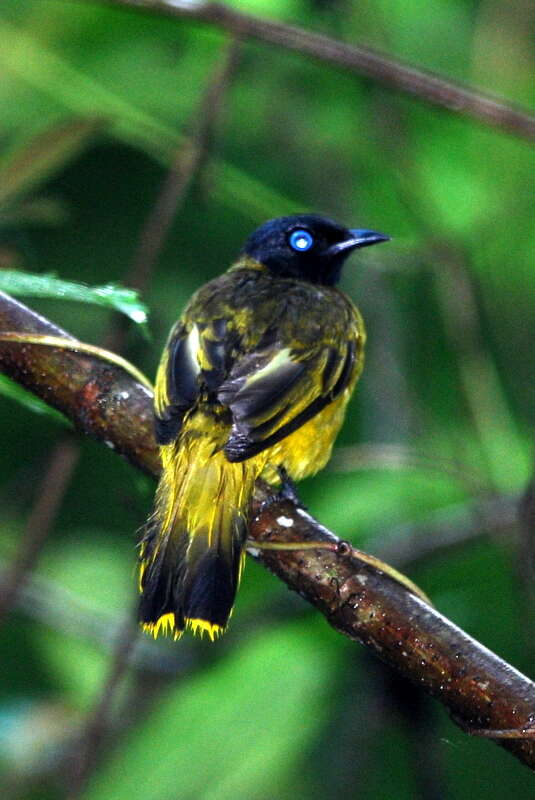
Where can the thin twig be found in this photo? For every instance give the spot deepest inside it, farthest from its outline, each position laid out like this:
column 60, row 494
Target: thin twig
column 424, row 85
column 479, row 376
column 446, row 529
column 185, row 167
column 396, row 456
column 51, row 490
column 89, row 741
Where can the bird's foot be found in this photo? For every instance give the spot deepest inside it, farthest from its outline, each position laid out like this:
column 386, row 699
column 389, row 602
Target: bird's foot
column 288, row 489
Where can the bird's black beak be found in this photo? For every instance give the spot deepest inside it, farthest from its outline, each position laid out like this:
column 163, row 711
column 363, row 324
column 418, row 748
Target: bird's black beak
column 360, row 237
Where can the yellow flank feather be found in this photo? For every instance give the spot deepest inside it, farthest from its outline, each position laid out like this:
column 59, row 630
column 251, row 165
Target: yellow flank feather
column 161, row 398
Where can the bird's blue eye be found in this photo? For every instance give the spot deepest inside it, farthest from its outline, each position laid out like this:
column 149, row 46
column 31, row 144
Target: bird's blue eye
column 301, row 241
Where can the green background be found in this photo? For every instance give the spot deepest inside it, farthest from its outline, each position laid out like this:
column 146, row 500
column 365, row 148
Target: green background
column 282, row 706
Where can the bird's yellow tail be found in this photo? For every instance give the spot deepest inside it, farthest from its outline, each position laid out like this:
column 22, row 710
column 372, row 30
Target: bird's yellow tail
column 193, row 549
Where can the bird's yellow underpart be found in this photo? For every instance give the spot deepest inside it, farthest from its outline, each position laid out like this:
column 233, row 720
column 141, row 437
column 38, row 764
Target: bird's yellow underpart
column 164, row 625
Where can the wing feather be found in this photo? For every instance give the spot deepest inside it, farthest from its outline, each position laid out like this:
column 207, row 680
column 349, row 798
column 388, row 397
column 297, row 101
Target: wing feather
column 270, row 391
column 176, row 382
column 281, row 396
column 195, row 359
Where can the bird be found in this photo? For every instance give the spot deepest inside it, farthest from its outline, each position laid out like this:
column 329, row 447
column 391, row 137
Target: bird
column 253, row 382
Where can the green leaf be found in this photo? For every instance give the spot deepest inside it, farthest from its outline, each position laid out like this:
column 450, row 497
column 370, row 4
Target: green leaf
column 15, row 392
column 111, row 296
column 24, row 57
column 34, row 211
column 42, row 154
column 239, row 728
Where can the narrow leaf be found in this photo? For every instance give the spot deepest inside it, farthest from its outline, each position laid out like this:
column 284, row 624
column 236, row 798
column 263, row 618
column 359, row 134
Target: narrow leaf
column 117, row 297
column 13, row 391
column 34, row 211
column 45, row 152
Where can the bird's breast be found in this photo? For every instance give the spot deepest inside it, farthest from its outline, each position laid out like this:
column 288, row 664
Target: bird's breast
column 308, row 449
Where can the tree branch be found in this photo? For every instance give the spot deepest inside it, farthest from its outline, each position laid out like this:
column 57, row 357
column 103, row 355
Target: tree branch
column 99, row 398
column 373, row 64
column 480, row 690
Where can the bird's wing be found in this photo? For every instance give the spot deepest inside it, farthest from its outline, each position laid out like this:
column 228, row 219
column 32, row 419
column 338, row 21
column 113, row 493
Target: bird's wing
column 176, row 387
column 272, row 393
column 196, row 359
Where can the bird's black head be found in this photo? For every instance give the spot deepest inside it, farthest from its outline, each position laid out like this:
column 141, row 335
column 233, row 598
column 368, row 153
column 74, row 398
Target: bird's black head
column 307, row 246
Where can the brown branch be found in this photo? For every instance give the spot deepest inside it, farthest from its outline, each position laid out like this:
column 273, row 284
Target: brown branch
column 373, row 64
column 100, row 399
column 480, row 690
column 51, row 491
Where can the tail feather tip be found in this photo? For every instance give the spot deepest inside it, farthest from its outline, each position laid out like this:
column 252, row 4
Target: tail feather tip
column 164, row 625
column 202, row 626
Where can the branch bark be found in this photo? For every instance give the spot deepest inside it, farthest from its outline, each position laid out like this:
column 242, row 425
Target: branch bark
column 100, row 399
column 480, row 690
column 425, row 85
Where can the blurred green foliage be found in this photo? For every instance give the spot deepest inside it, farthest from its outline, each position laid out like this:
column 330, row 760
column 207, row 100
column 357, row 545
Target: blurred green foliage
column 282, row 706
